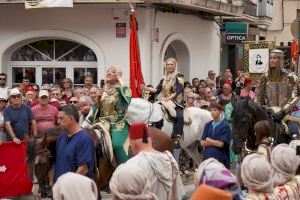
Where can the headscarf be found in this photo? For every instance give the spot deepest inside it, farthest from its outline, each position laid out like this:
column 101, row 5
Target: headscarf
column 284, row 163
column 129, row 182
column 293, row 144
column 256, row 173
column 173, row 74
column 274, row 73
column 72, row 186
column 215, row 174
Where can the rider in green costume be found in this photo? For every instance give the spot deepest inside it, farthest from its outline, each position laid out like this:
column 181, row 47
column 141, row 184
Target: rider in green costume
column 112, row 108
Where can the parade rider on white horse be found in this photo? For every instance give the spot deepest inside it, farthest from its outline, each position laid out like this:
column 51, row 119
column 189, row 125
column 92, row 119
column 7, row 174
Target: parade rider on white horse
column 171, row 89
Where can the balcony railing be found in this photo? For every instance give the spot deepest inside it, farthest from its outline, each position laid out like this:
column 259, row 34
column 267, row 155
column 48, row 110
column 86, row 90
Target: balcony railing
column 265, row 8
column 250, row 8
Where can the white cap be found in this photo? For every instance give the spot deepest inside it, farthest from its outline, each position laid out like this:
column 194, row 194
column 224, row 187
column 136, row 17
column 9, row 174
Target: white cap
column 43, row 93
column 14, row 91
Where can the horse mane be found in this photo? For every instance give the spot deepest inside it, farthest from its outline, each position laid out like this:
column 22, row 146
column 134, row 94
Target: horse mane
column 55, row 131
column 247, row 105
column 30, row 157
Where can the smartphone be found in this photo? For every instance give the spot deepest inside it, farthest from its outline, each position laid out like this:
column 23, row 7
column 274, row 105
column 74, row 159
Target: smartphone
column 298, row 150
column 102, row 83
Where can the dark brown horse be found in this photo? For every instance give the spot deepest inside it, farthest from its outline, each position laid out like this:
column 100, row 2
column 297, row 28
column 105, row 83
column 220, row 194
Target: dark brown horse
column 41, row 152
column 40, row 158
column 160, row 141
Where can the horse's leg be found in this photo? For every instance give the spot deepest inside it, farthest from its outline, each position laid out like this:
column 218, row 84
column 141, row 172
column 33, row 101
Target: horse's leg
column 43, row 190
column 50, row 176
column 193, row 152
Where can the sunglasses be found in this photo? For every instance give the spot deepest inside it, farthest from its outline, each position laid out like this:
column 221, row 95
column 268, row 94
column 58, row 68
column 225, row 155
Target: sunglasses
column 15, row 96
column 2, row 79
column 73, row 102
column 3, row 101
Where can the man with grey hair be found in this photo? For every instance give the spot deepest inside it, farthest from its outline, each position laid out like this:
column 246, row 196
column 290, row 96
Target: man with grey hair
column 278, row 87
column 85, row 104
column 75, row 150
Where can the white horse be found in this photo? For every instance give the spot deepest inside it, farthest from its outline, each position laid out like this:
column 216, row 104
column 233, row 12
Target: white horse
column 140, row 110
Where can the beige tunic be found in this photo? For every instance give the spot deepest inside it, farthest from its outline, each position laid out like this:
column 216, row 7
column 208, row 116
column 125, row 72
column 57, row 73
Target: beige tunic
column 159, row 171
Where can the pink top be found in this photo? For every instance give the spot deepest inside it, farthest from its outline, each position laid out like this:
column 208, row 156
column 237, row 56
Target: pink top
column 45, row 117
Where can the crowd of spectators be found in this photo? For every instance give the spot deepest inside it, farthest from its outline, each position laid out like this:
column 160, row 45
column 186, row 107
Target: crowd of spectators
column 28, row 110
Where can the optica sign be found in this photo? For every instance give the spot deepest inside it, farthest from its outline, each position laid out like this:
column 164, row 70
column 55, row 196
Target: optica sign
column 236, row 31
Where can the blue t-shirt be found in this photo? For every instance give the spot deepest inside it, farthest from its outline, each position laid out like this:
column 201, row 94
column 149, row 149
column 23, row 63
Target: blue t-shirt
column 221, row 132
column 20, row 119
column 72, row 152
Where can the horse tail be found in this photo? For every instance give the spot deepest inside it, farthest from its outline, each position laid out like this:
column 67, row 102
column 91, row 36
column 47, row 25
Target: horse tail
column 30, row 157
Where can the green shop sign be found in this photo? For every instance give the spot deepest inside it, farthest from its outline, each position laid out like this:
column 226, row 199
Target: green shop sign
column 236, row 31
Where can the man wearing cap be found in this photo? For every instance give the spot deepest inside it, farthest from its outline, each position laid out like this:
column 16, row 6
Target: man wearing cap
column 44, row 114
column 278, row 87
column 18, row 118
column 161, row 168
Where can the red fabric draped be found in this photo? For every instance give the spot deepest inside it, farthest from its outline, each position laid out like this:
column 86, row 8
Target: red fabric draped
column 294, row 49
column 136, row 75
column 14, row 179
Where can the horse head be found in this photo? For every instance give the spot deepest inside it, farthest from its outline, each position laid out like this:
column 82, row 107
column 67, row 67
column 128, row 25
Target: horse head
column 244, row 115
column 39, row 157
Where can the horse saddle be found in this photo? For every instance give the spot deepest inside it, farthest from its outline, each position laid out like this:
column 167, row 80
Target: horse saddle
column 168, row 108
column 102, row 130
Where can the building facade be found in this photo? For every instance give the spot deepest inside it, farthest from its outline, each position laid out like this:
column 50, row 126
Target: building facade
column 280, row 29
column 49, row 44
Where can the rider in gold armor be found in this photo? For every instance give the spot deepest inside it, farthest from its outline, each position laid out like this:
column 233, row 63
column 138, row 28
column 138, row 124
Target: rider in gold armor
column 112, row 108
column 171, row 88
column 278, row 87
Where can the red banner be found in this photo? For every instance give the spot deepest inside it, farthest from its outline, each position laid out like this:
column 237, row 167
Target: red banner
column 136, row 75
column 294, row 49
column 14, row 179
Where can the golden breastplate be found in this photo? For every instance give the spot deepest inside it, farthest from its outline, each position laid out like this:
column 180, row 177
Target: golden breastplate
column 167, row 87
column 278, row 93
column 107, row 104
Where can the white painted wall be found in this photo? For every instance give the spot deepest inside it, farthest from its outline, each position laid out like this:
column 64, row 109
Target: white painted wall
column 94, row 26
column 200, row 36
column 279, row 32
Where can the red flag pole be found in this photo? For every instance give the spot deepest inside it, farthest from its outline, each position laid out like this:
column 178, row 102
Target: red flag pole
column 136, row 75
